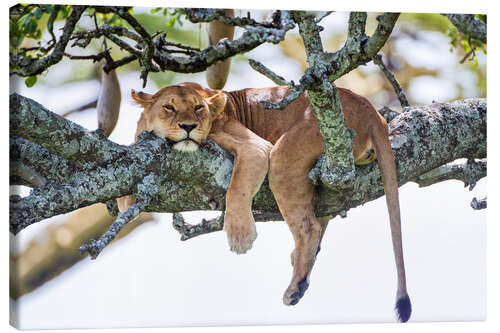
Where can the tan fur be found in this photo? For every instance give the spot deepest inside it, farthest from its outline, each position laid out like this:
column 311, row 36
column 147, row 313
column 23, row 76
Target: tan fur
column 285, row 144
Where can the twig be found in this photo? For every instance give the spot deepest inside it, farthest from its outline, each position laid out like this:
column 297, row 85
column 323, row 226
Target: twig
column 392, row 79
column 188, row 231
column 388, row 113
column 147, row 42
column 478, row 204
column 94, row 247
column 83, row 107
column 469, row 173
column 196, row 15
column 94, row 57
column 306, row 81
column 146, row 190
column 259, row 67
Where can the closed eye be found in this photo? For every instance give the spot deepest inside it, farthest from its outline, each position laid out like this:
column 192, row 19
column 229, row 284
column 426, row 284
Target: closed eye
column 198, row 107
column 169, row 107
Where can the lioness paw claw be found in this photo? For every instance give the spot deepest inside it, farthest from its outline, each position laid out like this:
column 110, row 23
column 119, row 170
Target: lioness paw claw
column 293, row 294
column 240, row 237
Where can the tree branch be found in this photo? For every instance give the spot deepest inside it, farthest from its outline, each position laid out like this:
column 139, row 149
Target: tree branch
column 25, row 66
column 338, row 171
column 469, row 172
column 423, row 138
column 31, row 121
column 390, row 77
column 41, row 161
column 469, row 24
column 146, row 190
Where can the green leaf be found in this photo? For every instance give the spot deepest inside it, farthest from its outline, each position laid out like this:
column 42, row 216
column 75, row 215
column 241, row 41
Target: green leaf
column 171, row 22
column 30, row 82
column 38, row 13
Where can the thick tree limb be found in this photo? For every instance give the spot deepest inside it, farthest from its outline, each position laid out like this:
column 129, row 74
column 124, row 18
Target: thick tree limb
column 423, row 138
column 41, row 161
column 469, row 24
column 66, row 139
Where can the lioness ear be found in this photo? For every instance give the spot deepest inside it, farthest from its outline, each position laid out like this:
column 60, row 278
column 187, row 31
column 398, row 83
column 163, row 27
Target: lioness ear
column 141, row 97
column 216, row 104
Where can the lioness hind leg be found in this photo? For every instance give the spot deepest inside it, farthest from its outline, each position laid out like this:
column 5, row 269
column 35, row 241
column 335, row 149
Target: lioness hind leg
column 323, row 221
column 291, row 159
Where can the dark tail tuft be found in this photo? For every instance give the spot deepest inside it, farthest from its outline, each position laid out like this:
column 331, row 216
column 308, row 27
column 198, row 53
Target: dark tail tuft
column 403, row 308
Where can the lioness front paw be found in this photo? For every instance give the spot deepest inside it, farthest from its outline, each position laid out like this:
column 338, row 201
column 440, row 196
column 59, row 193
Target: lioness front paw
column 240, row 234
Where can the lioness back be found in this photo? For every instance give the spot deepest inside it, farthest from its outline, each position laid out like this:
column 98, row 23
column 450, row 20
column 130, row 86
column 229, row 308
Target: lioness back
column 246, row 107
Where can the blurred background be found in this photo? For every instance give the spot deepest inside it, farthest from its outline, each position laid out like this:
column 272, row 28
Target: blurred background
column 150, row 278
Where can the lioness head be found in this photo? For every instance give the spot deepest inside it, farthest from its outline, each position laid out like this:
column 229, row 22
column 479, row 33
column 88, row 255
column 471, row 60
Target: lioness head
column 182, row 113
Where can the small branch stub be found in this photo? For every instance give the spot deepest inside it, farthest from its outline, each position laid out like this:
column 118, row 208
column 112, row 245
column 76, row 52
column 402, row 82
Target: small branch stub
column 189, row 231
column 478, row 204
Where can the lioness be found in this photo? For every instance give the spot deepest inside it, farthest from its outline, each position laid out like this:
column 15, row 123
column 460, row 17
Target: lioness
column 284, row 143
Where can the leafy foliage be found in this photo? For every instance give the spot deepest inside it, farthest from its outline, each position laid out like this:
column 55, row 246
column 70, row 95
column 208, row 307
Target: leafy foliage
column 468, row 44
column 174, row 15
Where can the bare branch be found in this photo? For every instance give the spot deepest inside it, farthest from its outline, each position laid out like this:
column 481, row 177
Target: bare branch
column 189, row 231
column 259, row 67
column 89, row 105
column 392, row 79
column 381, row 34
column 197, row 15
column 146, row 190
column 469, row 172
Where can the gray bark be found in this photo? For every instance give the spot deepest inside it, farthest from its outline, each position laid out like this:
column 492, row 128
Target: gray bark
column 469, row 24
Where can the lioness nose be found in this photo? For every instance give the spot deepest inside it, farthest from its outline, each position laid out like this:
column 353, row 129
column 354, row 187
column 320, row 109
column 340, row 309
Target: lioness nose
column 188, row 127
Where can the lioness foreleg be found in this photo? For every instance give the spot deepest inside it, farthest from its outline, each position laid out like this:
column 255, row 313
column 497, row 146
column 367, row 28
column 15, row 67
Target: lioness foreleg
column 291, row 160
column 251, row 163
